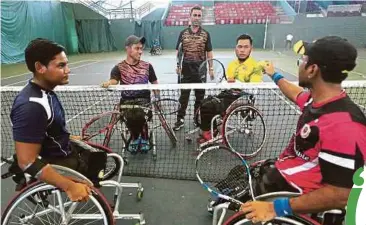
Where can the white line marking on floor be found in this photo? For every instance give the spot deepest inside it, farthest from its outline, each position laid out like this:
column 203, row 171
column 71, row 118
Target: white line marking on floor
column 18, row 75
column 70, row 68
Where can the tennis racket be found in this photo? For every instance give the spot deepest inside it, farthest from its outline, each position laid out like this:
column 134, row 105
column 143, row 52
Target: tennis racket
column 180, row 56
column 224, row 173
column 218, row 71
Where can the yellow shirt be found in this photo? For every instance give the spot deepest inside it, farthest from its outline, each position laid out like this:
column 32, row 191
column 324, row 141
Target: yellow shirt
column 249, row 71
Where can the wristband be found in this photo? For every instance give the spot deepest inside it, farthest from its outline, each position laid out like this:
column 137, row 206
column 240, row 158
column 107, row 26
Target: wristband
column 276, row 77
column 282, row 207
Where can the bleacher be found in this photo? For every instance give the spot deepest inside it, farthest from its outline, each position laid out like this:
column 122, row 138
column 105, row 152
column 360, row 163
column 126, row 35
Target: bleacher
column 179, row 15
column 226, row 13
column 245, row 13
column 344, row 10
column 258, row 12
column 311, row 6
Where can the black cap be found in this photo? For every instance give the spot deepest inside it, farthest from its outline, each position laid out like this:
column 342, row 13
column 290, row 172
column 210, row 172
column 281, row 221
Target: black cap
column 332, row 53
column 132, row 39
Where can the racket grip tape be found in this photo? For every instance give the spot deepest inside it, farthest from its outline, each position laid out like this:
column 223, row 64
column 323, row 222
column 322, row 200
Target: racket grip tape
column 234, row 206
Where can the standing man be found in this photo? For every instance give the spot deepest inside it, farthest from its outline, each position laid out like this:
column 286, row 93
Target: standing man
column 133, row 70
column 196, row 48
column 289, row 38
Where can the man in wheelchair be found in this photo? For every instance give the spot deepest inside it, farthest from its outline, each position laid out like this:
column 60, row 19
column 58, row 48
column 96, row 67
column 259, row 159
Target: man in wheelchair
column 39, row 128
column 156, row 48
column 130, row 71
column 329, row 144
column 242, row 69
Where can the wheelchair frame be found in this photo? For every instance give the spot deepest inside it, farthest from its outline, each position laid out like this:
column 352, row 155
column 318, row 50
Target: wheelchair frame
column 120, row 125
column 220, row 121
column 106, row 183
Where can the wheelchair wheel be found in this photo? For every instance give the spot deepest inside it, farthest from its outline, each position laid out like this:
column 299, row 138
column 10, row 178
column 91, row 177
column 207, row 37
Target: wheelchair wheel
column 101, row 128
column 239, row 219
column 168, row 129
column 112, row 166
column 41, row 203
column 244, row 130
column 158, row 51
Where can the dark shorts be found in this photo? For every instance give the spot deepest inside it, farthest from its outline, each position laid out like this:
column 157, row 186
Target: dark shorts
column 136, row 118
column 87, row 161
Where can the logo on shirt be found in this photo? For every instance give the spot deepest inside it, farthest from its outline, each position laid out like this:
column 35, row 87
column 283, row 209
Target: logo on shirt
column 356, row 205
column 305, row 131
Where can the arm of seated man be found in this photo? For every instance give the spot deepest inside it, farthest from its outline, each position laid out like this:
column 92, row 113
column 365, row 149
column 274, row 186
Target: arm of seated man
column 153, row 80
column 29, row 131
column 27, row 154
column 115, row 77
column 335, row 150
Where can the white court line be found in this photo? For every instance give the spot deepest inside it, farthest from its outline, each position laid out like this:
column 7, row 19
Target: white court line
column 87, row 109
column 362, row 75
column 18, row 75
column 70, row 68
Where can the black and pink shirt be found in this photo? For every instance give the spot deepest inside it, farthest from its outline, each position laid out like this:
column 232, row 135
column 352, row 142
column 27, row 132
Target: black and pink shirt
column 329, row 144
column 140, row 73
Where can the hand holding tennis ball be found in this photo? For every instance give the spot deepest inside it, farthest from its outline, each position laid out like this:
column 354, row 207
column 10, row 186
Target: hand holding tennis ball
column 268, row 68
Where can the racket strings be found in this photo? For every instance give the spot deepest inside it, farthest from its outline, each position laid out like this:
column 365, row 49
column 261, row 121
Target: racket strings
column 235, row 183
column 168, row 106
column 223, row 171
column 218, row 71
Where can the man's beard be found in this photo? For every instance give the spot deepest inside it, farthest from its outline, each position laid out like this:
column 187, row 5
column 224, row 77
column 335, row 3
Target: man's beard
column 243, row 59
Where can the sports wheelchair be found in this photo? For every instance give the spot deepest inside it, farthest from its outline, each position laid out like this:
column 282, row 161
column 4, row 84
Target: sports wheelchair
column 331, row 217
column 40, row 203
column 101, row 128
column 237, row 115
column 156, row 48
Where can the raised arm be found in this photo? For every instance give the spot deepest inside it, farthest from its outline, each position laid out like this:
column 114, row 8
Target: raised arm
column 290, row 90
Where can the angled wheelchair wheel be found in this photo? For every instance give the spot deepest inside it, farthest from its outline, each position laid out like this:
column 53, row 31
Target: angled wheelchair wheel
column 168, row 129
column 101, row 128
column 239, row 219
column 41, row 203
column 244, row 130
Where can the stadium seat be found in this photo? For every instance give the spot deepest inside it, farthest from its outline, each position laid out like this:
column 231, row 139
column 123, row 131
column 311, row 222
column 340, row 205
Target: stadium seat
column 254, row 12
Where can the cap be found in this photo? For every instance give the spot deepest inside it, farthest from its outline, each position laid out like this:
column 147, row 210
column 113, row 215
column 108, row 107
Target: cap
column 332, row 53
column 132, row 39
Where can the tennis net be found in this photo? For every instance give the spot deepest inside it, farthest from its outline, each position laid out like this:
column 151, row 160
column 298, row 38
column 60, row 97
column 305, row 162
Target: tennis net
column 81, row 103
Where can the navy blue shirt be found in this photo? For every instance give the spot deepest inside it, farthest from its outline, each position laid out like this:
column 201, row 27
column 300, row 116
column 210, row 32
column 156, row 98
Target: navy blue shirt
column 37, row 116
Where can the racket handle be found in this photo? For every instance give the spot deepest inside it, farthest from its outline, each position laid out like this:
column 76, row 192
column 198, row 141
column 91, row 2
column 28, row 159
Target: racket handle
column 234, row 206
